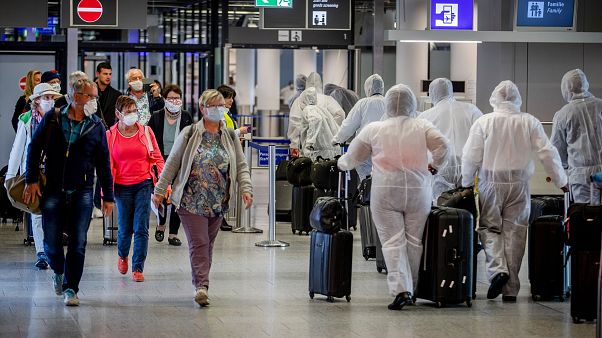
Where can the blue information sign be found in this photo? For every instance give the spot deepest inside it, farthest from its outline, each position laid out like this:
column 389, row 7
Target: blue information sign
column 263, row 158
column 452, row 14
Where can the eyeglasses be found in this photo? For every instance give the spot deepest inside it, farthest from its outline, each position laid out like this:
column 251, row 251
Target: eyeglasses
column 88, row 95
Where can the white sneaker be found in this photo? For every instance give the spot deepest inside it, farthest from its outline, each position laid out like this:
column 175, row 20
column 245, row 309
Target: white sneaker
column 201, row 296
column 97, row 213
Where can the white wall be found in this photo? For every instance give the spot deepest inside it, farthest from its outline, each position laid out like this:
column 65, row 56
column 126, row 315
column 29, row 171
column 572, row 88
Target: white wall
column 12, row 68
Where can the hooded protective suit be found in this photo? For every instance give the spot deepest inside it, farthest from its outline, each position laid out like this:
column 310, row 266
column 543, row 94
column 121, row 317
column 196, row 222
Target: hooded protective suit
column 454, row 120
column 318, row 127
column 499, row 148
column 325, row 102
column 400, row 199
column 344, row 97
column 577, row 133
column 367, row 110
column 300, row 81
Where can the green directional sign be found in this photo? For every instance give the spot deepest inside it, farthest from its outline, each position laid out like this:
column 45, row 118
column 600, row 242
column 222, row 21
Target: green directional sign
column 274, row 3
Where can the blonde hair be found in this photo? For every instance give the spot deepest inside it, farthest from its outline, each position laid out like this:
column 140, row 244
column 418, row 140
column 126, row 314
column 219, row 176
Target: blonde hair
column 29, row 84
column 208, row 96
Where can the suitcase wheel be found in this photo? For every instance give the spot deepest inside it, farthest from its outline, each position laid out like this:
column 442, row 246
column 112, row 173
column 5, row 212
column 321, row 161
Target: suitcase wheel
column 380, row 270
column 536, row 298
column 330, row 299
column 469, row 302
column 439, row 305
column 577, row 320
column 16, row 227
column 104, row 242
column 348, row 297
column 294, row 231
column 311, row 295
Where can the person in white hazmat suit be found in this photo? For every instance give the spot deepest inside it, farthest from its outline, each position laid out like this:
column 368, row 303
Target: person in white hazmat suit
column 454, row 119
column 367, row 110
column 295, row 116
column 577, row 133
column 500, row 148
column 345, row 98
column 300, row 81
column 318, row 127
column 401, row 185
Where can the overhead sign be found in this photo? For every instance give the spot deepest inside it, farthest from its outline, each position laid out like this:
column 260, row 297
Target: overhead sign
column 329, row 14
column 30, row 13
column 558, row 13
column 274, row 3
column 95, row 13
column 452, row 14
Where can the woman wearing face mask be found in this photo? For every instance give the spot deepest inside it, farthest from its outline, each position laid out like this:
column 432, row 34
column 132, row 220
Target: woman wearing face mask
column 42, row 101
column 205, row 159
column 167, row 125
column 134, row 154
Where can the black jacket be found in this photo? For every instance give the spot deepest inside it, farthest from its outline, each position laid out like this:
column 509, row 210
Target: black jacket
column 20, row 107
column 74, row 170
column 156, row 124
column 106, row 105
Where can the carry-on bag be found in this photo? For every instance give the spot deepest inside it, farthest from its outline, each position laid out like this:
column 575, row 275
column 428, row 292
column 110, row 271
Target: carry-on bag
column 109, row 228
column 546, row 206
column 327, row 215
column 330, row 258
column 325, row 173
column 302, row 203
column 298, row 171
column 584, row 230
column 446, row 269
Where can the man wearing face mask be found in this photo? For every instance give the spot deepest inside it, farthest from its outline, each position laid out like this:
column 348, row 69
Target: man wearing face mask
column 79, row 147
column 107, row 95
column 167, row 125
column 147, row 102
column 42, row 101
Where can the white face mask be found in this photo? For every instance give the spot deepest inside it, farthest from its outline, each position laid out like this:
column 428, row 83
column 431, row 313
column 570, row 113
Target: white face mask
column 90, row 108
column 46, row 105
column 56, row 87
column 129, row 119
column 215, row 114
column 136, row 85
column 173, row 107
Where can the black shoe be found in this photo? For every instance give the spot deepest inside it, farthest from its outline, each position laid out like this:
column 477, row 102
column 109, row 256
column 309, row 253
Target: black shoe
column 175, row 241
column 159, row 234
column 225, row 226
column 497, row 283
column 509, row 299
column 400, row 301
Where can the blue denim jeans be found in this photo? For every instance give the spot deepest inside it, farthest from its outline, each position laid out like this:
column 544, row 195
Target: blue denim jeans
column 133, row 206
column 71, row 211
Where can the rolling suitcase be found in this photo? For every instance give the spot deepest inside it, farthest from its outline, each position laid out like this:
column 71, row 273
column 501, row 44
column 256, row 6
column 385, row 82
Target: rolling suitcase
column 584, row 230
column 302, row 203
column 447, row 262
column 381, row 266
column 546, row 206
column 464, row 198
column 330, row 258
column 284, row 193
column 368, row 233
column 109, row 228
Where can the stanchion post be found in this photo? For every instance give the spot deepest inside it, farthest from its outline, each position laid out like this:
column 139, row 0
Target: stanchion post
column 272, row 242
column 245, row 214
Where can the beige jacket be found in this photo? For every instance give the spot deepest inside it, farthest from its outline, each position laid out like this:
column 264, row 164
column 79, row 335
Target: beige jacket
column 179, row 163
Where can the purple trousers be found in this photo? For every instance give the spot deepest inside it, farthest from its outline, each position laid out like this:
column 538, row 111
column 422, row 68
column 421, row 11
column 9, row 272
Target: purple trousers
column 200, row 232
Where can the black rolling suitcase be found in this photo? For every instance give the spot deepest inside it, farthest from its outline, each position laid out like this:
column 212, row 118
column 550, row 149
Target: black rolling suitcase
column 110, row 228
column 367, row 228
column 464, row 198
column 447, row 262
column 302, row 203
column 546, row 206
column 584, row 231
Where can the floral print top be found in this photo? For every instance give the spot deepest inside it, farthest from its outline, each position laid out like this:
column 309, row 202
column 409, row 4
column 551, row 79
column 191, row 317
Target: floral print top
column 206, row 192
column 144, row 113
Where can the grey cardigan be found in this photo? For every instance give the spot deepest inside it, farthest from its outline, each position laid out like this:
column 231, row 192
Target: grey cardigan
column 179, row 163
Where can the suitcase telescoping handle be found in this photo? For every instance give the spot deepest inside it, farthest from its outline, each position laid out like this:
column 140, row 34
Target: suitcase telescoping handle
column 345, row 174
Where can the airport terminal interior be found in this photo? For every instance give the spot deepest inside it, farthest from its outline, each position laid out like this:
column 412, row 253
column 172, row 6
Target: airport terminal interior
column 263, row 268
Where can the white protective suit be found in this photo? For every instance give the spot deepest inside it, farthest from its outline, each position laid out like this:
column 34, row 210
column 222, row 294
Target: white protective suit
column 454, row 120
column 367, row 110
column 300, row 81
column 577, row 133
column 317, row 128
column 324, row 101
column 401, row 183
column 499, row 148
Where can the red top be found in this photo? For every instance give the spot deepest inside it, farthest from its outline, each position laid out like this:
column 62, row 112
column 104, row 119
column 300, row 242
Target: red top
column 132, row 158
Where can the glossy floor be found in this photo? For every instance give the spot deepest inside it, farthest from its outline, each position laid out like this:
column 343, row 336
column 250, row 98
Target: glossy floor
column 254, row 292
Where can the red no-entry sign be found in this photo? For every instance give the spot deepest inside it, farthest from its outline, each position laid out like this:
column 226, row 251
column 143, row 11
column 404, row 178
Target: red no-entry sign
column 22, row 83
column 89, row 10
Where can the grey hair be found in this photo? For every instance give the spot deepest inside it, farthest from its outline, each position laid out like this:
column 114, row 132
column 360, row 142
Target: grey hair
column 73, row 77
column 79, row 85
column 127, row 74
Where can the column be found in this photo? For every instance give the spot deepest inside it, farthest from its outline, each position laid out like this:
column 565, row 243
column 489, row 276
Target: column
column 245, row 80
column 72, row 57
column 463, row 67
column 412, row 57
column 335, row 67
column 304, row 61
column 268, row 91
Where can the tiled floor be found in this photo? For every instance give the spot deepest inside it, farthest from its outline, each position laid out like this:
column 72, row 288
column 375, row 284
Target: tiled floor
column 254, row 292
